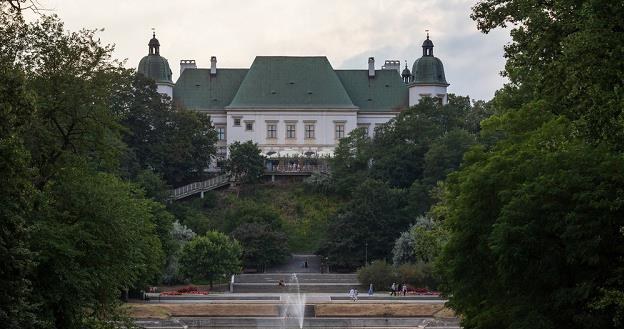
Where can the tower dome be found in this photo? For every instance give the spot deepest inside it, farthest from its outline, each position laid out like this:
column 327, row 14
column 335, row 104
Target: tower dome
column 427, row 79
column 428, row 69
column 406, row 74
column 155, row 66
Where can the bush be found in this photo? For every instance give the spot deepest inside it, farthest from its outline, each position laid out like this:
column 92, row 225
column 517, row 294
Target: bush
column 420, row 275
column 379, row 273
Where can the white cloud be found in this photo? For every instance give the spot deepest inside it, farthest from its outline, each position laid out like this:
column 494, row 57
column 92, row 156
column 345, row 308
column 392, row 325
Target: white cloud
column 346, row 31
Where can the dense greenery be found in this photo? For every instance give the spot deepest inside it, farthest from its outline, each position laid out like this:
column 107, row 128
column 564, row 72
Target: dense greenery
column 245, row 163
column 210, row 257
column 75, row 230
column 391, row 179
column 535, row 214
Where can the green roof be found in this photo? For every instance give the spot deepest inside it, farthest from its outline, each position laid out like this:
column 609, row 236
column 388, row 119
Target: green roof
column 291, row 82
column 428, row 70
column 155, row 67
column 197, row 89
column 385, row 92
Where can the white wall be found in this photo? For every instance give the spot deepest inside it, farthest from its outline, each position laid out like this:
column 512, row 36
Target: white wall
column 165, row 89
column 418, row 92
column 371, row 120
column 324, row 120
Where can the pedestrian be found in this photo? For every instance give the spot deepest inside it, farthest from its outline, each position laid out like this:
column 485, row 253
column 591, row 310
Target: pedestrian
column 404, row 289
column 305, row 264
column 355, row 295
column 393, row 289
column 352, row 294
column 370, row 289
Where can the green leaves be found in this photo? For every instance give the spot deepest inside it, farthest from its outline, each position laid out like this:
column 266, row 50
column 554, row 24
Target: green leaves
column 246, row 163
column 211, row 256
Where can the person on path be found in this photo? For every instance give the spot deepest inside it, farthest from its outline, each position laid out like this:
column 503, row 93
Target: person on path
column 404, row 289
column 355, row 295
column 370, row 289
column 393, row 289
column 352, row 294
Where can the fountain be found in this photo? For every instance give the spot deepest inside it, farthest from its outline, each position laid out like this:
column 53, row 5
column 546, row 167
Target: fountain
column 294, row 307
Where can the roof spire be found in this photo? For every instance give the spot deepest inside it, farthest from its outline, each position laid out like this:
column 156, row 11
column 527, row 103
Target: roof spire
column 154, row 45
column 427, row 46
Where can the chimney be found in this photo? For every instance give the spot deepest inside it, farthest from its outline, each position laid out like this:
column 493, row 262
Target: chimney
column 213, row 65
column 187, row 64
column 371, row 67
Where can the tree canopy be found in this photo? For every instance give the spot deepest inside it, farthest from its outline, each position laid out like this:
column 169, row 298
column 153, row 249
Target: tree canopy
column 211, row 256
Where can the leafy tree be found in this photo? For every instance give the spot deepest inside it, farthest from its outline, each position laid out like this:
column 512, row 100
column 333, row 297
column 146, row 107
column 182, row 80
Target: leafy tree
column 180, row 235
column 93, row 236
column 173, row 142
column 369, row 222
column 16, row 198
column 445, row 155
column 262, row 245
column 422, row 242
column 351, row 161
column 567, row 54
column 210, row 257
column 245, row 163
column 420, row 275
column 535, row 229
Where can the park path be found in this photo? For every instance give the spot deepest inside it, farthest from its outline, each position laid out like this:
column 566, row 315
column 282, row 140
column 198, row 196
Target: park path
column 295, row 264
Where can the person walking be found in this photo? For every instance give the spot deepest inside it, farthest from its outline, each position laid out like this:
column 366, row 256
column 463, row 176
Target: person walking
column 393, row 289
column 404, row 289
column 352, row 294
column 355, row 295
column 370, row 289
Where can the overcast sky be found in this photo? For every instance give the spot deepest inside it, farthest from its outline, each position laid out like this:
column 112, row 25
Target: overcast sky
column 346, row 31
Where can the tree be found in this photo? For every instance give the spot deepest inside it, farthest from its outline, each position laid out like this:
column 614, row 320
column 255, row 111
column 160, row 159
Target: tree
column 262, row 245
column 549, row 59
column 93, row 236
column 210, row 257
column 245, row 163
column 180, row 235
column 379, row 273
column 247, row 212
column 16, row 199
column 368, row 224
column 351, row 161
column 535, row 230
column 161, row 136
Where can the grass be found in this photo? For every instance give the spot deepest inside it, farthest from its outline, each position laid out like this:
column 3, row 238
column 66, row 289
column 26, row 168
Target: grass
column 304, row 215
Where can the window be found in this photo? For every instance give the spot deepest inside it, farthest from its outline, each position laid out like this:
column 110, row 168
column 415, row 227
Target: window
column 340, row 130
column 221, row 133
column 271, row 130
column 290, row 130
column 249, row 126
column 221, row 153
column 309, row 131
column 237, row 122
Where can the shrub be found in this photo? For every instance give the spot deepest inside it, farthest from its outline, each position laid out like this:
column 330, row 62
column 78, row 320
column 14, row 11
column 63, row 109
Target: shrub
column 379, row 273
column 420, row 275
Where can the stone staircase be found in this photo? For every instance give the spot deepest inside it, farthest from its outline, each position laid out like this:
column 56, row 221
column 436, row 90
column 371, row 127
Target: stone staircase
column 308, row 282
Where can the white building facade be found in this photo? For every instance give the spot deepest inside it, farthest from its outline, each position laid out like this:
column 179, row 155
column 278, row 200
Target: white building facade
column 296, row 105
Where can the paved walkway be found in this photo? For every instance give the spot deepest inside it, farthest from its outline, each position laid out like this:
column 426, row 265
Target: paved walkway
column 296, row 265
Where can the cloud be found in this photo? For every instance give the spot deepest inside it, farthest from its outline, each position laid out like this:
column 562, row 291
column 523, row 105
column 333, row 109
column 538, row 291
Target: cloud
column 346, row 31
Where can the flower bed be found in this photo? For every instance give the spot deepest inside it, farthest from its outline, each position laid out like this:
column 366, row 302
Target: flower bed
column 189, row 290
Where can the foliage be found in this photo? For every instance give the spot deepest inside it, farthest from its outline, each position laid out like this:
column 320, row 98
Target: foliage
column 366, row 224
column 567, row 54
column 422, row 242
column 535, row 230
column 379, row 273
column 175, row 143
column 319, row 183
column 180, row 235
column 262, row 245
column 16, row 194
column 350, row 162
column 247, row 212
column 246, row 163
column 93, row 236
column 420, row 275
column 210, row 257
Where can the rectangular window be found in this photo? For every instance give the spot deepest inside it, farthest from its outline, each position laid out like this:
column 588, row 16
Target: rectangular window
column 340, row 130
column 291, row 131
column 249, row 126
column 221, row 133
column 309, row 131
column 271, row 130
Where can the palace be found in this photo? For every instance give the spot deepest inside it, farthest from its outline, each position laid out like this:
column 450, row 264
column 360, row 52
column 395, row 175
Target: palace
column 296, row 105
